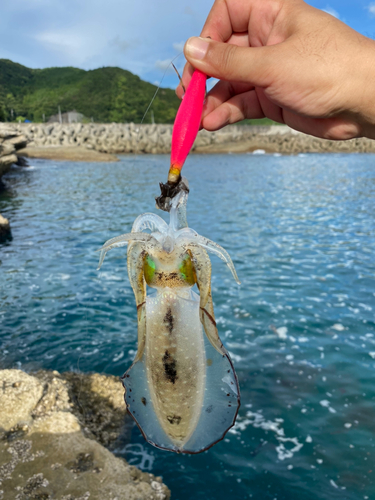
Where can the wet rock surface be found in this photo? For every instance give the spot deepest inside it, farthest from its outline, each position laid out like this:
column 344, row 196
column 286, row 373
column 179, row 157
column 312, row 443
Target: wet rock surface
column 4, row 227
column 53, row 432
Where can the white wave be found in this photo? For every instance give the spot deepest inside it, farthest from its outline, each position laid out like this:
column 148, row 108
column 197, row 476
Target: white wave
column 139, row 456
column 281, row 332
column 118, row 356
column 338, row 327
column 257, row 420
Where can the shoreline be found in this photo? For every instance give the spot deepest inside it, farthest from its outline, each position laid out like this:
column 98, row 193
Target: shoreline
column 66, row 153
column 100, row 142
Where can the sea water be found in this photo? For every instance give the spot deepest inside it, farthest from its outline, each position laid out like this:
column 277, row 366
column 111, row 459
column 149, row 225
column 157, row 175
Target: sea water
column 300, row 328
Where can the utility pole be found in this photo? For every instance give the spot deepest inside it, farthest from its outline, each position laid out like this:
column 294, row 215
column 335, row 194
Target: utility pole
column 44, row 117
column 60, row 117
column 152, row 117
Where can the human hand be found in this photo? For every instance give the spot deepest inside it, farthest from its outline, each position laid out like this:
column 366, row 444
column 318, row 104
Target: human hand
column 287, row 61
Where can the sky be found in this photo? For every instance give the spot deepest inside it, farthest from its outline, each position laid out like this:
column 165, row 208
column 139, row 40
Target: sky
column 142, row 36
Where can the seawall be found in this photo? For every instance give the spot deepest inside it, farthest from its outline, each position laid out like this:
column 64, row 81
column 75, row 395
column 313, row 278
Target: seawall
column 130, row 138
column 11, row 141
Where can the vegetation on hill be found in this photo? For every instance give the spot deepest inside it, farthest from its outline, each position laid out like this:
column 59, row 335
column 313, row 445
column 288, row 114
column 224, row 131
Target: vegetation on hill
column 104, row 94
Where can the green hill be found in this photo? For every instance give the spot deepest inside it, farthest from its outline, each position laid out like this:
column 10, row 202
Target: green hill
column 106, row 94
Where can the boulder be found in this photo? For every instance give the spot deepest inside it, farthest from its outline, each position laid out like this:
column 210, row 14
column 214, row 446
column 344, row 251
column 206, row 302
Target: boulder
column 50, row 441
column 6, row 162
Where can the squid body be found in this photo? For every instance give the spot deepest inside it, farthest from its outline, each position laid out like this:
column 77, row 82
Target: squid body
column 181, row 389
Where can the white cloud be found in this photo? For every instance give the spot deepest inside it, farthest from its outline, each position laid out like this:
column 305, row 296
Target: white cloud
column 179, row 46
column 61, row 40
column 163, row 65
column 331, row 11
column 142, row 36
column 371, row 9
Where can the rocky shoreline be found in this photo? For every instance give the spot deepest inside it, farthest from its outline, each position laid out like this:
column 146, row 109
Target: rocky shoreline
column 117, row 138
column 11, row 141
column 56, row 436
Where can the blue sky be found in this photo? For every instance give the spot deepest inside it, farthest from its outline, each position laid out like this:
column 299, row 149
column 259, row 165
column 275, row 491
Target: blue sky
column 139, row 35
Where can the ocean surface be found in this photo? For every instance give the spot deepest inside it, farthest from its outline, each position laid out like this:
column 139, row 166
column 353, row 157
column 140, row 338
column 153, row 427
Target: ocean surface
column 300, row 328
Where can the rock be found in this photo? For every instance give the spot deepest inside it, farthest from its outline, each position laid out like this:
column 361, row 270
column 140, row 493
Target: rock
column 45, row 453
column 7, row 132
column 6, row 148
column 18, row 142
column 20, row 394
column 6, row 162
column 4, row 228
column 22, row 162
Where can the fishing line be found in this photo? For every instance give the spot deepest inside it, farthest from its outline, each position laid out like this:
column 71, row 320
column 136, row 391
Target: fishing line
column 157, row 90
column 153, row 97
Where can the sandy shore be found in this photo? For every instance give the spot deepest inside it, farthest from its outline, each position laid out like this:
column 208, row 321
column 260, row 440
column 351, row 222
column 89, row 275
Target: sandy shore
column 66, row 153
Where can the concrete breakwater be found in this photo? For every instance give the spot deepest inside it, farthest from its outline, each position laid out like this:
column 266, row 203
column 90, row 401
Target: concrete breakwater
column 10, row 142
column 118, row 138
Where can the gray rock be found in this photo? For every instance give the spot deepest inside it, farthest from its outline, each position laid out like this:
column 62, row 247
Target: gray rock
column 5, row 233
column 6, row 148
column 19, row 396
column 5, row 163
column 18, row 141
column 51, row 429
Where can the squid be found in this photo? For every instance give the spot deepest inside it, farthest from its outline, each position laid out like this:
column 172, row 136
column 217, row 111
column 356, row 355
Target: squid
column 181, row 390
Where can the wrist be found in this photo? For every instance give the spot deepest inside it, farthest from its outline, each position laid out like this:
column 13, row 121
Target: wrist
column 364, row 89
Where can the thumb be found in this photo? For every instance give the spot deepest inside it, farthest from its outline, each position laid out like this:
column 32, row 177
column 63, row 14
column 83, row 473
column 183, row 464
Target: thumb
column 225, row 61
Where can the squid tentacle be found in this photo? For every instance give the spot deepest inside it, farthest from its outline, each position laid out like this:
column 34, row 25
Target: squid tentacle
column 216, row 249
column 211, row 246
column 186, row 232
column 123, row 240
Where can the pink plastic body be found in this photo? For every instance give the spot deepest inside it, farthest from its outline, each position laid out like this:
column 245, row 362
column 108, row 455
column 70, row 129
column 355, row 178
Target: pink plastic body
column 188, row 119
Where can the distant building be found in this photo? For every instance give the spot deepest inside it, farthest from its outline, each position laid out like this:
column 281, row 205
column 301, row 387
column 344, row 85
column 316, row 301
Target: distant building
column 69, row 117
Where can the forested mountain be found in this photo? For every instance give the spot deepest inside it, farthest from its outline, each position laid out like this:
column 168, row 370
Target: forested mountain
column 104, row 94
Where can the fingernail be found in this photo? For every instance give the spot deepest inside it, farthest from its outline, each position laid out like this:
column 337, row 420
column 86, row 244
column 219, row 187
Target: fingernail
column 196, row 47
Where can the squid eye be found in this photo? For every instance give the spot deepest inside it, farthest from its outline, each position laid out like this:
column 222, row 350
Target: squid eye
column 149, row 269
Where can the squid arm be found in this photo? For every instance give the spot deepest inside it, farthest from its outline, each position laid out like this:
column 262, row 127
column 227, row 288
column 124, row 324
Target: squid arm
column 216, row 249
column 136, row 258
column 207, row 317
column 123, row 240
column 202, row 267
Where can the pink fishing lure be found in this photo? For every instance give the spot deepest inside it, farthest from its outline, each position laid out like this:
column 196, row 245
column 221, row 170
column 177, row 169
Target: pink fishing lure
column 186, row 125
